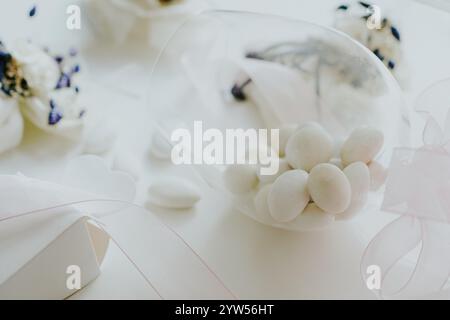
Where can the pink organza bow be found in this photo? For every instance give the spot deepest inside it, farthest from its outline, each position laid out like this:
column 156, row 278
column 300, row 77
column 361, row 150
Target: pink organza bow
column 417, row 189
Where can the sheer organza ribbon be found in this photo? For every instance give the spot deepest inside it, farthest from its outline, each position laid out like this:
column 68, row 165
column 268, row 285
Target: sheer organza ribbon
column 170, row 267
column 417, row 189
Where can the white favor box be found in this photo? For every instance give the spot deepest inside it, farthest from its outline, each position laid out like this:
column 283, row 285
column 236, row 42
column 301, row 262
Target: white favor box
column 49, row 273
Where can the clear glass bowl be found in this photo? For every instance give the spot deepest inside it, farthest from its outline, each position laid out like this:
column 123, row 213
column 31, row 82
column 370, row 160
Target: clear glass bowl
column 343, row 86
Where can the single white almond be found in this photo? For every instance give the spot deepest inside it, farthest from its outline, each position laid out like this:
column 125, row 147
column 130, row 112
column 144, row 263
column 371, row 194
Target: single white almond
column 174, row 193
column 363, row 144
column 337, row 162
column 240, row 178
column 329, row 188
column 308, row 147
column 338, row 143
column 289, row 195
column 359, row 177
column 261, row 154
column 262, row 212
column 378, row 175
column 286, row 131
column 283, row 166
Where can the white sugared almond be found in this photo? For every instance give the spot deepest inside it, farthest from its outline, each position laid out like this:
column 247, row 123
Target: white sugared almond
column 240, row 178
column 329, row 188
column 283, row 199
column 286, row 131
column 363, row 144
column 174, row 193
column 358, row 175
column 288, row 196
column 312, row 218
column 378, row 175
column 260, row 201
column 308, row 147
column 283, row 166
column 337, row 162
column 338, row 142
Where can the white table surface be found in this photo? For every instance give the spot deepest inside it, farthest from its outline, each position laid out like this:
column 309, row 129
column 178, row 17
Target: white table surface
column 253, row 260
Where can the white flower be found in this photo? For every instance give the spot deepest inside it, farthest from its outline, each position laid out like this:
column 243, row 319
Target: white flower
column 353, row 26
column 121, row 20
column 384, row 41
column 53, row 105
column 43, row 88
column 11, row 124
column 59, row 113
column 39, row 69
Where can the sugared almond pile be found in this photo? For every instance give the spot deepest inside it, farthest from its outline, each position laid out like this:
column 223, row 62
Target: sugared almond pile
column 318, row 181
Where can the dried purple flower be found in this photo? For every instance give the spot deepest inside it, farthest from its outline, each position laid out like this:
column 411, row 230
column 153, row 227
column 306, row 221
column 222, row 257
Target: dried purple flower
column 237, row 91
column 73, row 52
column 378, row 54
column 59, row 59
column 32, row 11
column 76, row 68
column 54, row 117
column 395, row 33
column 364, row 4
column 63, row 82
column 12, row 81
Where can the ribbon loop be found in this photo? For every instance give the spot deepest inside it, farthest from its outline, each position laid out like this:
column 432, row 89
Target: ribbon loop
column 34, row 212
column 418, row 189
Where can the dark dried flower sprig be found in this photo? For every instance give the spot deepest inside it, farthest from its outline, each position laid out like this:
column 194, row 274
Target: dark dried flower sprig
column 12, row 81
column 395, row 33
column 237, row 91
column 343, row 7
column 328, row 57
column 67, row 72
column 365, row 4
column 165, row 2
column 55, row 114
column 32, row 11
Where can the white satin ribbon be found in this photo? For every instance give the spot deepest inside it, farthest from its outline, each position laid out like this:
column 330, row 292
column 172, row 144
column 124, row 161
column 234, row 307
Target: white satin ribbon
column 166, row 262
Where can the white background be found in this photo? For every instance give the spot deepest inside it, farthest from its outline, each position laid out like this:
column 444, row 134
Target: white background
column 253, row 260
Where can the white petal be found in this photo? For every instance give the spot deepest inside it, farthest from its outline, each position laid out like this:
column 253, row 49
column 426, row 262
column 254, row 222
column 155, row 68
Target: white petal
column 11, row 125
